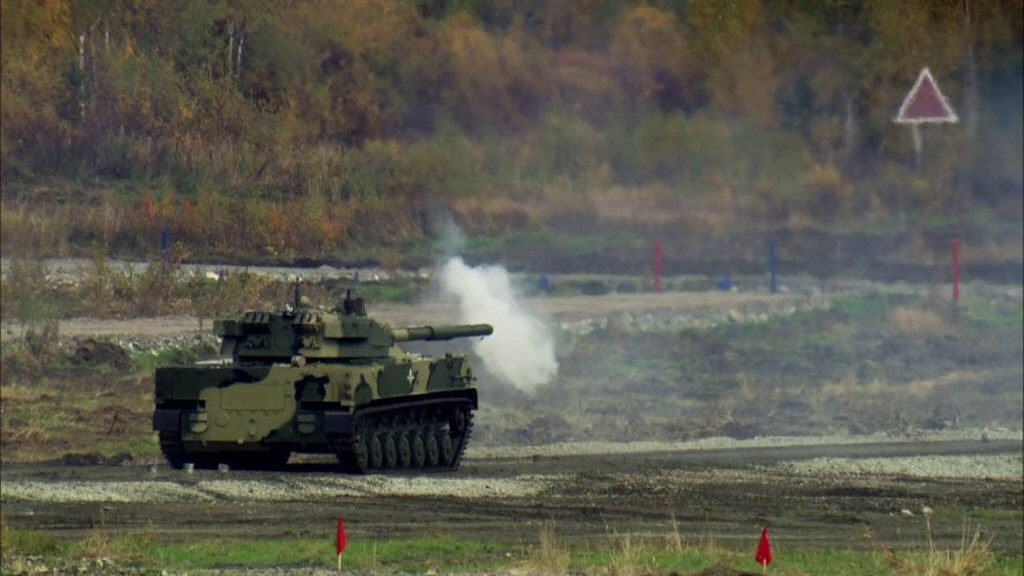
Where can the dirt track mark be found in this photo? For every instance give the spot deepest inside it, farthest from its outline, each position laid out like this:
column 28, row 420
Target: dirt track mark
column 562, row 309
column 725, row 494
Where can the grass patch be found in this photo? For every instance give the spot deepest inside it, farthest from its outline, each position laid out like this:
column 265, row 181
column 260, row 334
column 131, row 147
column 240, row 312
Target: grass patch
column 404, row 293
column 865, row 363
column 146, row 361
column 16, row 542
column 37, row 299
column 55, row 405
column 973, row 557
column 978, row 513
column 617, row 553
column 411, row 555
column 998, row 315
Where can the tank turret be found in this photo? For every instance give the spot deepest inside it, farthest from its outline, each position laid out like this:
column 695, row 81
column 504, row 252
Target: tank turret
column 342, row 334
column 310, row 379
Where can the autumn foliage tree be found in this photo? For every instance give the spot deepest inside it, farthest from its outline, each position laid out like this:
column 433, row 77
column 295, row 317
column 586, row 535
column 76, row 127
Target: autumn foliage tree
column 278, row 112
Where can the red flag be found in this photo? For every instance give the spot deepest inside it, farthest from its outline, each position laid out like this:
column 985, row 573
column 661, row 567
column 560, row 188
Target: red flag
column 657, row 267
column 341, row 537
column 764, row 549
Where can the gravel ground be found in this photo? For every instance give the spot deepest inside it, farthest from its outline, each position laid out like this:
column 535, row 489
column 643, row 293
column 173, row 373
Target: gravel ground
column 154, row 486
column 579, row 448
column 282, row 489
column 975, row 467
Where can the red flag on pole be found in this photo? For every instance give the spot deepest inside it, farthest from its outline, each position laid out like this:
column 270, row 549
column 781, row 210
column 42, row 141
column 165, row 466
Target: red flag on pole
column 764, row 550
column 341, row 541
column 657, row 267
column 956, row 271
column 341, row 536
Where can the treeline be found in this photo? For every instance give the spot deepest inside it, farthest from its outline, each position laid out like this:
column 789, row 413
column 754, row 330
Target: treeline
column 308, row 122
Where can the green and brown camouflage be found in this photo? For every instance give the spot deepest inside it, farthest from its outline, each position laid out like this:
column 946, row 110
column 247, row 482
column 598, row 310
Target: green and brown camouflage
column 304, row 379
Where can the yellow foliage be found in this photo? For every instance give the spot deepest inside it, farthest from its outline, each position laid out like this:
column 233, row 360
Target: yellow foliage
column 651, row 53
column 826, row 190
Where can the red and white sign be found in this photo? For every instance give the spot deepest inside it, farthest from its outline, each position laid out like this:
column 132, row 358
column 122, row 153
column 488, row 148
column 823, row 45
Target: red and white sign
column 925, row 103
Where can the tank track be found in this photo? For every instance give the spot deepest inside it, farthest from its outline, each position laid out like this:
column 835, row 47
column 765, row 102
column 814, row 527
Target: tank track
column 176, row 455
column 416, row 439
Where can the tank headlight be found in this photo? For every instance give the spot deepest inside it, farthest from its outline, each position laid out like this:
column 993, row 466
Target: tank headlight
column 198, row 422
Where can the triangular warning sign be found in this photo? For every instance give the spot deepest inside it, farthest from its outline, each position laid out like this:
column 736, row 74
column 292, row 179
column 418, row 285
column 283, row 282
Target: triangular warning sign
column 925, row 103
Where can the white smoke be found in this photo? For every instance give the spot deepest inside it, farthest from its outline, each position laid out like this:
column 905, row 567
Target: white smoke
column 521, row 351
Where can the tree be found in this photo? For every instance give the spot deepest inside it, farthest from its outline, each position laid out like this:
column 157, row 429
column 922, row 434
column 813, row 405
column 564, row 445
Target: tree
column 37, row 48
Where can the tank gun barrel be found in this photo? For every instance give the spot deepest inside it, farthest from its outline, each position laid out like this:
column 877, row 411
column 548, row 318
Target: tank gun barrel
column 441, row 332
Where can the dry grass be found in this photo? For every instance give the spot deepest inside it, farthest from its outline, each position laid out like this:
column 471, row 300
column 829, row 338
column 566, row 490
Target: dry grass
column 645, row 205
column 27, row 435
column 106, row 545
column 5, row 536
column 993, row 251
column 48, row 413
column 34, row 296
column 18, row 392
column 16, row 542
column 495, row 214
column 551, row 556
column 918, row 322
column 974, row 557
column 24, row 229
column 630, row 555
column 849, row 387
column 675, row 537
column 722, row 411
column 622, row 554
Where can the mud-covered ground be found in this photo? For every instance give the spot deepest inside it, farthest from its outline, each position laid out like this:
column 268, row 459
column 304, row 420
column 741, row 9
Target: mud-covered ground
column 835, row 492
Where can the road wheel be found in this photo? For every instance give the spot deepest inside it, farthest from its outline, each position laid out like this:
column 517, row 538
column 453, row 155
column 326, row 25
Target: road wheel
column 433, row 450
column 419, row 451
column 361, row 451
column 376, row 449
column 404, row 451
column 447, row 449
column 390, row 450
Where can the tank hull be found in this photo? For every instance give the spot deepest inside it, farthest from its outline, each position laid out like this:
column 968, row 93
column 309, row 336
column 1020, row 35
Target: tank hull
column 408, row 414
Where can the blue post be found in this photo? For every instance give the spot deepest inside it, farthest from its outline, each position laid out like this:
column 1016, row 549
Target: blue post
column 163, row 248
column 773, row 265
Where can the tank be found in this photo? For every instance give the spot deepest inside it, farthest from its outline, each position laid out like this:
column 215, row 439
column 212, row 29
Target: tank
column 323, row 381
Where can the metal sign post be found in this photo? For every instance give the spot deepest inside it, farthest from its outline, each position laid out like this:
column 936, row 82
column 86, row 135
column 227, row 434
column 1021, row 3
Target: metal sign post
column 924, row 104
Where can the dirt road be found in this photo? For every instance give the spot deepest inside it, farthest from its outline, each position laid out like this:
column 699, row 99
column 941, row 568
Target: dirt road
column 561, row 309
column 813, row 492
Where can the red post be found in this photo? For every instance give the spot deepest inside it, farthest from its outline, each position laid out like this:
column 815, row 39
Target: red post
column 657, row 267
column 764, row 551
column 956, row 271
column 341, row 541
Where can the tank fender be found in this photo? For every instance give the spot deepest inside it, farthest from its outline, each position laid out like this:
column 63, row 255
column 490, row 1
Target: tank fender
column 337, row 423
column 166, row 420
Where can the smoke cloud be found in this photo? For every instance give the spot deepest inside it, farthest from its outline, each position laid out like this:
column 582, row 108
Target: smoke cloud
column 521, row 352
